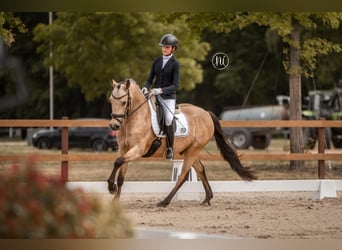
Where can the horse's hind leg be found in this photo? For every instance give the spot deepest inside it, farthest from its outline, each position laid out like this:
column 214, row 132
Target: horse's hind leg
column 180, row 181
column 200, row 170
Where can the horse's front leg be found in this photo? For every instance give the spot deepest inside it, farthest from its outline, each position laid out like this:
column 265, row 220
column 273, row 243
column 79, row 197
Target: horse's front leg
column 120, row 181
column 121, row 165
column 112, row 187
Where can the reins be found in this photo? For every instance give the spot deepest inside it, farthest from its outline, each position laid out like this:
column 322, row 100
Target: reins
column 128, row 107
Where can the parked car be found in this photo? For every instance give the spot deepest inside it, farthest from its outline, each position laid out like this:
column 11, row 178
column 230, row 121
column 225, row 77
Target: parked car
column 97, row 138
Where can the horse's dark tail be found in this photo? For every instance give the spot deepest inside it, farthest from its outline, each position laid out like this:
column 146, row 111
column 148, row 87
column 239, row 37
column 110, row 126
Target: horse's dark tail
column 228, row 152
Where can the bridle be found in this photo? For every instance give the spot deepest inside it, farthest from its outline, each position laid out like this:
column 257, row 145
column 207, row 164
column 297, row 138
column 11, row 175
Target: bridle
column 128, row 108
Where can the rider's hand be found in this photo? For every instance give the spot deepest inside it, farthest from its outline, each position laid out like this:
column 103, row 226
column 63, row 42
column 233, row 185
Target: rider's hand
column 156, row 91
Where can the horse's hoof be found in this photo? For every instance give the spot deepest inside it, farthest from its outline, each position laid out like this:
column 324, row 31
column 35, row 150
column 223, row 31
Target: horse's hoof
column 112, row 188
column 162, row 204
column 206, row 202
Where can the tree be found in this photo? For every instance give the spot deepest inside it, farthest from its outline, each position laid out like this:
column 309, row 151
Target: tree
column 68, row 101
column 301, row 53
column 8, row 22
column 90, row 48
column 227, row 88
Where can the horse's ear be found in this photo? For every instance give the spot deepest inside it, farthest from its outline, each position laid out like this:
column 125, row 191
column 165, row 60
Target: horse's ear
column 113, row 83
column 128, row 82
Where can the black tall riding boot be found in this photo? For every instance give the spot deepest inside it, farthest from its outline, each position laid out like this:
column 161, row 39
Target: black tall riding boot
column 169, row 141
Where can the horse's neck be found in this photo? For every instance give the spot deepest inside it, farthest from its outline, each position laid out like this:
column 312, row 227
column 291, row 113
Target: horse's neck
column 141, row 116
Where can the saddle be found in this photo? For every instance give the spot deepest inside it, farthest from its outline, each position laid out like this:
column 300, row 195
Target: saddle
column 157, row 106
column 180, row 122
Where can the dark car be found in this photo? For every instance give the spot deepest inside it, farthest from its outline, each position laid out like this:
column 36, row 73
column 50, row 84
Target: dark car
column 97, row 138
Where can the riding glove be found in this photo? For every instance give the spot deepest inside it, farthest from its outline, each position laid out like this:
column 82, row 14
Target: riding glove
column 156, row 91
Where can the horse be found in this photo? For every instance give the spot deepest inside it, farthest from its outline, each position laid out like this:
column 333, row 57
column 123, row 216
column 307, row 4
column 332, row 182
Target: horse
column 131, row 118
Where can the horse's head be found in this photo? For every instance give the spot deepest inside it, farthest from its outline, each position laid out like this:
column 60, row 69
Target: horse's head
column 120, row 101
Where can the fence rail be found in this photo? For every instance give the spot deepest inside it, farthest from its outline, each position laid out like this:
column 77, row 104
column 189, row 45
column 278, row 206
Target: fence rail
column 232, row 123
column 203, row 156
column 65, row 157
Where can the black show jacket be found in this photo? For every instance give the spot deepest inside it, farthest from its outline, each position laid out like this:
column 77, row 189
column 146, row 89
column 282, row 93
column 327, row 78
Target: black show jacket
column 166, row 78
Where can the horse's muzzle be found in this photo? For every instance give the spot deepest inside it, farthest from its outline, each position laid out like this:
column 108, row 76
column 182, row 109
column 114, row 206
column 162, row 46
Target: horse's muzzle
column 114, row 127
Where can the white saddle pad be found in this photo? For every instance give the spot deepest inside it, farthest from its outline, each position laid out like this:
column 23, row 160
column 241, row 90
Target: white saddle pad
column 182, row 126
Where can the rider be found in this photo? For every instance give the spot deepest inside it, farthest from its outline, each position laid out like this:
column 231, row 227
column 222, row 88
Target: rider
column 165, row 70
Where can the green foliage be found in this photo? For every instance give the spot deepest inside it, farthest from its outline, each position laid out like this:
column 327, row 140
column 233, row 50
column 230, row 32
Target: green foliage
column 311, row 45
column 8, row 22
column 246, row 49
column 91, row 48
column 33, row 205
column 312, row 48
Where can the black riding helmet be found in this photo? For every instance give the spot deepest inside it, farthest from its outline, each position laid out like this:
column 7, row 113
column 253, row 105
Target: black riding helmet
column 169, row 40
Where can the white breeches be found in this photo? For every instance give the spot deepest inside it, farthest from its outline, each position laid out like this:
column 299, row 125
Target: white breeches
column 169, row 110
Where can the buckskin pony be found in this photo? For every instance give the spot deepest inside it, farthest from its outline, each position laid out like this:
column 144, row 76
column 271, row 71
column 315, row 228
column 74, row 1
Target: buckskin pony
column 131, row 116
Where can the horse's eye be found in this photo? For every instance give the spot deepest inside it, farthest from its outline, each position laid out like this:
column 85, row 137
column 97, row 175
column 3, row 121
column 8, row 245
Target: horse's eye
column 123, row 103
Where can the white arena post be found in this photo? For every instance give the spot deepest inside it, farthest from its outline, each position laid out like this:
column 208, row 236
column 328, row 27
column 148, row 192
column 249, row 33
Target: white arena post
column 327, row 189
column 192, row 177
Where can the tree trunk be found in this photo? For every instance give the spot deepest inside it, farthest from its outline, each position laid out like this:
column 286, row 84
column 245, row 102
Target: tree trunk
column 296, row 134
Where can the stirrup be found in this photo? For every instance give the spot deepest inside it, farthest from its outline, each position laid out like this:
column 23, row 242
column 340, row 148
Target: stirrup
column 169, row 153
